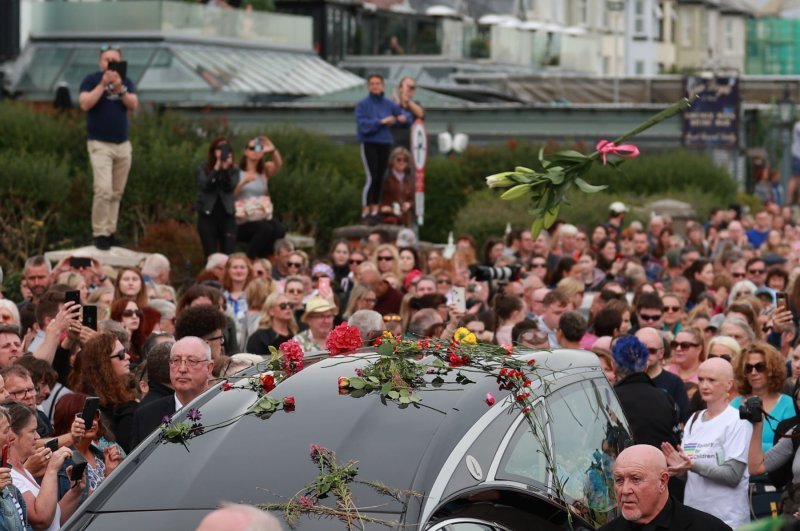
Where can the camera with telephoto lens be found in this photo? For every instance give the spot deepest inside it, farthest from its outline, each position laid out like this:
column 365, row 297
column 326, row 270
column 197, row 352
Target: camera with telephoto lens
column 500, row 274
column 751, row 410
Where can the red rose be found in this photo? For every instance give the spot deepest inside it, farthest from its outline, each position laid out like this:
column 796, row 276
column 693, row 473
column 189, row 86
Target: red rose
column 343, row 339
column 288, row 403
column 293, row 355
column 267, row 382
column 344, row 381
column 226, row 386
column 490, row 399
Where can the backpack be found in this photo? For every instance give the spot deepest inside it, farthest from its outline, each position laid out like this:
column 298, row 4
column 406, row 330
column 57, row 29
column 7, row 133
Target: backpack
column 781, row 477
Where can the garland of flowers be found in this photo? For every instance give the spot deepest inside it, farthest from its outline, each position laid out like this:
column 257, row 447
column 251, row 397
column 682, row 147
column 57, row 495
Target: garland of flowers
column 546, row 182
column 334, row 479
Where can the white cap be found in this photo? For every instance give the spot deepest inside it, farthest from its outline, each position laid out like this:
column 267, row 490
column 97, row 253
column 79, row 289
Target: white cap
column 617, row 207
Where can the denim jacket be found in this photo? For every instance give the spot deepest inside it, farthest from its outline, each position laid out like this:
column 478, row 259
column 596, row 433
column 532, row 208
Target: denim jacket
column 9, row 519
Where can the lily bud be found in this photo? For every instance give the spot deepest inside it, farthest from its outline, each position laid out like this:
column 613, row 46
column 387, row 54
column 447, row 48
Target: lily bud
column 499, row 180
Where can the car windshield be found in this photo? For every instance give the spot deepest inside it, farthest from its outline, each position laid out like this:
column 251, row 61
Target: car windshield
column 587, row 435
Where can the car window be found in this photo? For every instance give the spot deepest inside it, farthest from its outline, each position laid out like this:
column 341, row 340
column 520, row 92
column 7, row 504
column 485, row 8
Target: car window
column 587, row 434
column 466, row 525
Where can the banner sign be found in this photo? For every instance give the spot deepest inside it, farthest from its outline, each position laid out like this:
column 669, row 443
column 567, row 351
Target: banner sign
column 713, row 119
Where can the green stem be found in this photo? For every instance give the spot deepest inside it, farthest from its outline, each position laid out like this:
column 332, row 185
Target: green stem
column 670, row 111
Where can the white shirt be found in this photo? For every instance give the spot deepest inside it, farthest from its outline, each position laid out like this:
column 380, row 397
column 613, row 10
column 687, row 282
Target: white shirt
column 725, row 437
column 25, row 483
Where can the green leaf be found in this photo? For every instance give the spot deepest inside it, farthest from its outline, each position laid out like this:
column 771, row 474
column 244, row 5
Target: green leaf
column 385, row 388
column 523, row 169
column 536, row 227
column 555, row 175
column 394, row 395
column 385, row 349
column 415, row 398
column 357, row 383
column 570, row 154
column 437, row 382
column 404, row 400
column 588, row 188
column 373, row 379
column 404, row 392
column 550, row 216
column 521, row 190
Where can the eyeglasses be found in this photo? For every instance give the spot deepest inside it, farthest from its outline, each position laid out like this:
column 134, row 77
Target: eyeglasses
column 220, row 338
column 401, row 159
column 672, row 309
column 23, row 392
column 538, row 265
column 738, row 274
column 654, row 350
column 645, row 317
column 355, row 262
column 683, row 345
column 107, row 47
column 131, row 313
column 759, row 367
column 756, row 271
column 533, row 336
column 385, row 258
column 294, row 264
column 286, row 305
column 391, row 318
column 726, row 357
column 443, row 281
column 294, row 291
column 317, row 277
column 251, row 147
column 122, row 354
column 190, row 362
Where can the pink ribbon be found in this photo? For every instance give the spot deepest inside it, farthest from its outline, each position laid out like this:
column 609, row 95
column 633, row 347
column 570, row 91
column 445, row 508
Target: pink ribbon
column 606, row 148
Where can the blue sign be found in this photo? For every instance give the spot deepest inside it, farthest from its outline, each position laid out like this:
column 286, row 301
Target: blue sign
column 713, row 119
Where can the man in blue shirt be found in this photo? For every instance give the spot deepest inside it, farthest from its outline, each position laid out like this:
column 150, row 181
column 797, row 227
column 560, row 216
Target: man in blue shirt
column 107, row 98
column 375, row 117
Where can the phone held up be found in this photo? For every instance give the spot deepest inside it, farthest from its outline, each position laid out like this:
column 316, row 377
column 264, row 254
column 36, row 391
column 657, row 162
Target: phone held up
column 782, row 300
column 73, row 296
column 89, row 319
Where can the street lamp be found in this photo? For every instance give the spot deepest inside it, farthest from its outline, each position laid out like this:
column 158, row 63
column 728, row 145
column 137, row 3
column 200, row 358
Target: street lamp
column 786, row 116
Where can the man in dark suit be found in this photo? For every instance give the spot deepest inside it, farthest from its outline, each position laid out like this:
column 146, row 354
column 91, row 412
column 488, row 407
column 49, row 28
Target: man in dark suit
column 640, row 481
column 190, row 366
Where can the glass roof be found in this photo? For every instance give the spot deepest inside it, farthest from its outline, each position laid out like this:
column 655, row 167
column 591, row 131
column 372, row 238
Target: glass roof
column 168, row 70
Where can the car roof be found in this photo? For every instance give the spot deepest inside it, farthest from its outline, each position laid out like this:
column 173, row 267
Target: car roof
column 254, row 460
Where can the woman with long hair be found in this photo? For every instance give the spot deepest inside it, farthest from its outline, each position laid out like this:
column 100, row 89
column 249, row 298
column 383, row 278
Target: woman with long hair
column 761, row 371
column 260, row 162
column 361, row 298
column 340, row 261
column 103, row 370
column 217, row 178
column 397, row 197
column 130, row 285
column 387, row 260
column 44, row 510
column 131, row 317
column 102, row 297
column 12, row 502
column 237, row 276
column 508, row 311
column 276, row 326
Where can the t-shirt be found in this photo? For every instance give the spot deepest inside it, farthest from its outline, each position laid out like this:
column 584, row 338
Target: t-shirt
column 724, row 438
column 25, row 483
column 107, row 121
column 783, row 410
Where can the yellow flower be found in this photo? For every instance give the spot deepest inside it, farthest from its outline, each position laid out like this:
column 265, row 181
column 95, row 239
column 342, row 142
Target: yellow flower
column 387, row 335
column 463, row 335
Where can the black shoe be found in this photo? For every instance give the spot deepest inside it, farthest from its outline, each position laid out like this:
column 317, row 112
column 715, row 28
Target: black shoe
column 114, row 241
column 103, row 243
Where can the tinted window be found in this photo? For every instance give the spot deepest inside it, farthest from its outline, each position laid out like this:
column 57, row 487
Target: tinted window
column 524, row 460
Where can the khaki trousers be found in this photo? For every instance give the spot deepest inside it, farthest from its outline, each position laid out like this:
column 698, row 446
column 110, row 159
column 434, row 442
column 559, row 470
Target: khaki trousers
column 110, row 166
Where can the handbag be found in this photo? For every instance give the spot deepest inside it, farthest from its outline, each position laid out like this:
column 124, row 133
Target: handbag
column 253, row 209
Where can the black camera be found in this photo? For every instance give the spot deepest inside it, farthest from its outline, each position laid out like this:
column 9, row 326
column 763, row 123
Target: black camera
column 751, row 410
column 500, row 274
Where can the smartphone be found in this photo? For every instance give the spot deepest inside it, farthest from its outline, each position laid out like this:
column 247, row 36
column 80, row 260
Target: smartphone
column 90, row 316
column 782, row 301
column 324, row 286
column 90, row 407
column 51, row 445
column 80, row 262
column 258, row 147
column 225, row 152
column 458, row 296
column 77, row 471
column 120, row 67
column 73, row 295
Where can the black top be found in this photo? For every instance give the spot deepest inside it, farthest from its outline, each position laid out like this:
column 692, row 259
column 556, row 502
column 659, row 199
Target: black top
column 216, row 185
column 157, row 390
column 262, row 339
column 650, row 411
column 149, row 417
column 107, row 121
column 675, row 516
column 673, row 385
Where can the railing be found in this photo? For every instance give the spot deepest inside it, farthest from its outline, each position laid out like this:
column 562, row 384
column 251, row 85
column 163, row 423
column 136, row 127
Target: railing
column 175, row 18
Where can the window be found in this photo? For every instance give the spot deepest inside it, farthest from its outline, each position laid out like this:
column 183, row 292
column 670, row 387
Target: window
column 638, row 17
column 583, row 12
column 586, row 435
column 639, row 68
column 686, row 28
column 728, row 36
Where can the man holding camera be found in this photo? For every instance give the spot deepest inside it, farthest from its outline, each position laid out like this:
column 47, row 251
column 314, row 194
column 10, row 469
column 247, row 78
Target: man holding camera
column 107, row 96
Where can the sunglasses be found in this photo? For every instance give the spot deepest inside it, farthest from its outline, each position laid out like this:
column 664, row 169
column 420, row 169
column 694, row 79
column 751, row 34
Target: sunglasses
column 738, row 275
column 131, row 313
column 683, row 345
column 251, row 147
column 443, row 281
column 672, row 309
column 401, row 159
column 107, row 47
column 654, row 350
column 759, row 367
column 294, row 264
column 294, row 291
column 538, row 265
column 286, row 305
column 645, row 317
column 385, row 258
column 533, row 337
column 756, row 271
column 726, row 357
column 355, row 262
column 122, row 354
column 391, row 318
